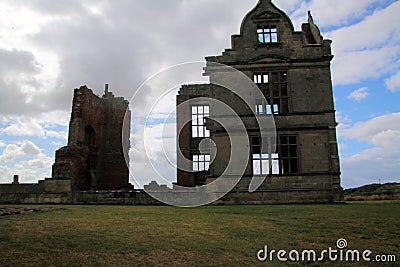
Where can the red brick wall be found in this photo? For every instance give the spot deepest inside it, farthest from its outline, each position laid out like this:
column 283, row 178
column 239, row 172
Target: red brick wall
column 101, row 166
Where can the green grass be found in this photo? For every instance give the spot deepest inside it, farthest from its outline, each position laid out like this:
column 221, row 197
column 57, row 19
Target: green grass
column 206, row 236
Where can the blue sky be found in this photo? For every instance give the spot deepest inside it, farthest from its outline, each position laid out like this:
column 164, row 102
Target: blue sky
column 48, row 48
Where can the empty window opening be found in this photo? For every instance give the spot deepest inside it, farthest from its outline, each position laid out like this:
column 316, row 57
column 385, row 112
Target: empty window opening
column 199, row 113
column 288, row 154
column 201, row 163
column 89, row 139
column 263, row 108
column 274, row 86
column 263, row 163
column 267, row 34
column 285, row 161
column 261, row 78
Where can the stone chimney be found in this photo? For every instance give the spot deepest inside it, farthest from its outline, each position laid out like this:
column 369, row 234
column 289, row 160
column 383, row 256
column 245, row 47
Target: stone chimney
column 16, row 179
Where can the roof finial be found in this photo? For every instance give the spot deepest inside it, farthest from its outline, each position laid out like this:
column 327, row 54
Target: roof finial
column 106, row 89
column 310, row 17
column 107, row 93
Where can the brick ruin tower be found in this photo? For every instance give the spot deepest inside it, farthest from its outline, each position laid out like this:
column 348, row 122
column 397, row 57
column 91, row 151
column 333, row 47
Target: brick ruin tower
column 94, row 158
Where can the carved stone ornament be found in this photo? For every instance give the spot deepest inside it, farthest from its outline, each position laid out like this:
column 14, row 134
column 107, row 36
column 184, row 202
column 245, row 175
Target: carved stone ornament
column 266, row 16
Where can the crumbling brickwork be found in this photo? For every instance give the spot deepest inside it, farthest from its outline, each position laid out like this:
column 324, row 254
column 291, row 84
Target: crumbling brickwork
column 94, row 157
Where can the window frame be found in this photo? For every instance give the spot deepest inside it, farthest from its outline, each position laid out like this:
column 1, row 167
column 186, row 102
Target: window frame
column 289, row 159
column 198, row 121
column 274, row 85
column 201, row 162
column 267, row 33
column 268, row 163
column 278, row 163
column 264, row 108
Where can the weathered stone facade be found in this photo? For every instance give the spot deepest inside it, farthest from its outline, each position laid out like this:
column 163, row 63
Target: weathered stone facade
column 292, row 70
column 94, row 157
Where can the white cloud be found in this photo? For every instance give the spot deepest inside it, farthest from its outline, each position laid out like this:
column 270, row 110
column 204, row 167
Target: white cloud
column 372, row 32
column 14, row 151
column 23, row 128
column 25, row 159
column 58, row 135
column 29, row 171
column 393, row 83
column 368, row 49
column 40, row 125
column 37, row 163
column 332, row 13
column 343, row 120
column 359, row 94
column 30, row 149
column 57, row 144
column 355, row 66
column 13, row 28
column 10, row 153
column 382, row 161
column 152, row 153
column 364, row 131
column 18, row 83
column 2, row 144
column 288, row 6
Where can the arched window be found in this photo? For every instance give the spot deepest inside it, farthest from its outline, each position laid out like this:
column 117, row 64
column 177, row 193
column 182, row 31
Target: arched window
column 89, row 136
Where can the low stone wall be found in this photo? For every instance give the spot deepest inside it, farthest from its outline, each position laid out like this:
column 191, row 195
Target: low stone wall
column 273, row 191
column 20, row 188
column 280, row 197
column 140, row 197
column 136, row 197
column 98, row 198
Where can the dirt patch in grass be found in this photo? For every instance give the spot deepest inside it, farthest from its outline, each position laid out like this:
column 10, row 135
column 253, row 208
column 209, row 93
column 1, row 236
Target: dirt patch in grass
column 21, row 210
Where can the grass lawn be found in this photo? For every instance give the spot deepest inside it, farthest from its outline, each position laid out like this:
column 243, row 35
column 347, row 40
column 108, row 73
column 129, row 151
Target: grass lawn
column 206, row 236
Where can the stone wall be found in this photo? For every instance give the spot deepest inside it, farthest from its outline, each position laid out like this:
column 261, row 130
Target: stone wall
column 140, row 197
column 297, row 67
column 97, row 149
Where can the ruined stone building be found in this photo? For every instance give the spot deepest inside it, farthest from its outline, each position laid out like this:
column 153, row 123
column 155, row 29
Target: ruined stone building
column 289, row 69
column 94, row 157
column 94, row 166
column 292, row 70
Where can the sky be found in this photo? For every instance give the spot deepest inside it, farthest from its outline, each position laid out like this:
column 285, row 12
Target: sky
column 48, row 48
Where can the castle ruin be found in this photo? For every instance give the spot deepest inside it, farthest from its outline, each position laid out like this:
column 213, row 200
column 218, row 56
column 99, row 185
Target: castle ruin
column 94, row 158
column 291, row 69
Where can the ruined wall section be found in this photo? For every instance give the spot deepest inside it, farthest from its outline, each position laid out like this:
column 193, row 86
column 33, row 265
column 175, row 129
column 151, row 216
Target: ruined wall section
column 115, row 169
column 188, row 145
column 292, row 69
column 94, row 158
column 87, row 110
